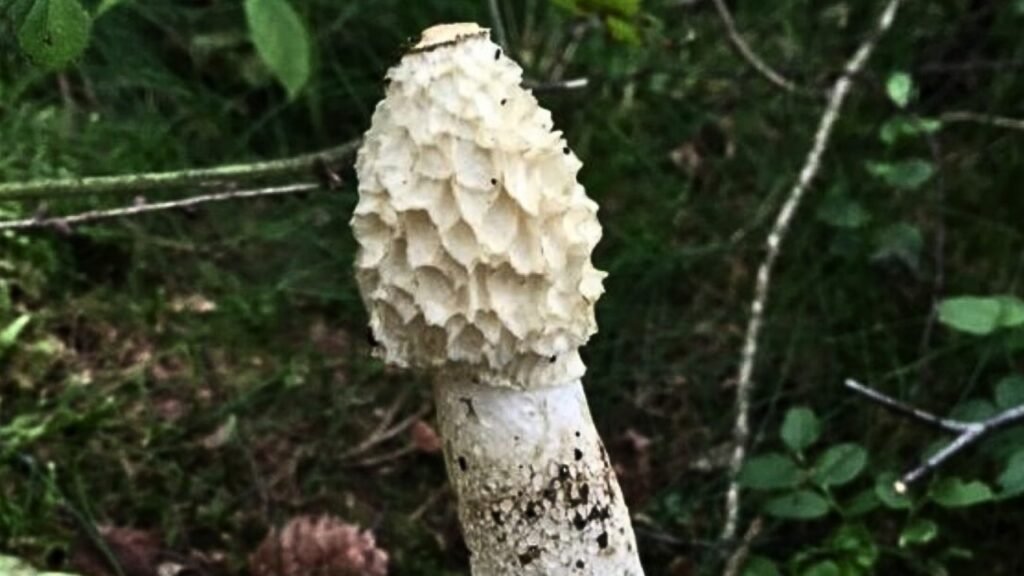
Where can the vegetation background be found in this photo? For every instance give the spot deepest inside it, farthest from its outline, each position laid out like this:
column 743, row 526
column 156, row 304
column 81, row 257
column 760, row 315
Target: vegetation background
column 200, row 376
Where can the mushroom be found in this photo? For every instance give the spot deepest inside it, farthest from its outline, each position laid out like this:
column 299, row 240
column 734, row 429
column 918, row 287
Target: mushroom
column 474, row 263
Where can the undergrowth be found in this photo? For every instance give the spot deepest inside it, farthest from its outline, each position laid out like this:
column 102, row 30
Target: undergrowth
column 204, row 374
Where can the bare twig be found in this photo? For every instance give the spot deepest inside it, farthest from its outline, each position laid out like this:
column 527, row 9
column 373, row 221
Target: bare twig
column 986, row 119
column 62, row 222
column 907, row 410
column 312, row 165
column 939, row 257
column 558, row 67
column 427, row 504
column 748, row 54
column 385, row 430
column 498, row 23
column 744, row 384
column 967, row 433
column 739, row 557
column 552, row 86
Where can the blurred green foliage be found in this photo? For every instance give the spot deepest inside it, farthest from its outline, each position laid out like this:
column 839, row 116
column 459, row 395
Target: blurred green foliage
column 203, row 374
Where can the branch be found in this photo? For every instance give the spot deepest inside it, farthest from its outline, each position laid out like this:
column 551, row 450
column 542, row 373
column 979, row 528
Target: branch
column 556, row 85
column 902, row 409
column 739, row 557
column 499, row 24
column 986, row 119
column 309, row 164
column 744, row 384
column 64, row 222
column 967, row 433
column 748, row 53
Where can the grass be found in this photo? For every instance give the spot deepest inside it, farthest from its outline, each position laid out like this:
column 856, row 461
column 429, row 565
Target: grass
column 119, row 405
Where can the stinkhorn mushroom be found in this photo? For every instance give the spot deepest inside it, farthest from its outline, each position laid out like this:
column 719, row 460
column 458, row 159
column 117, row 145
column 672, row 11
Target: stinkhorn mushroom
column 474, row 262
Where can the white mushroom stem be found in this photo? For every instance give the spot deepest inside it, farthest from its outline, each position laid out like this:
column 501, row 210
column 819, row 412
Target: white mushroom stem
column 536, row 492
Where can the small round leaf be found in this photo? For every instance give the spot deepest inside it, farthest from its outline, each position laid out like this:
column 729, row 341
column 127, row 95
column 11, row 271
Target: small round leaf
column 918, row 531
column 770, row 472
column 840, row 464
column 797, row 505
column 955, row 493
column 800, row 429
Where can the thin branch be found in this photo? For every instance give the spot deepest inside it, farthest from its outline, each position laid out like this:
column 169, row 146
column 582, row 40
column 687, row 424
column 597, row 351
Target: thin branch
column 739, row 557
column 903, row 409
column 968, row 433
column 498, row 23
column 986, row 119
column 557, row 85
column 63, row 222
column 748, row 53
column 939, row 254
column 308, row 164
column 744, row 383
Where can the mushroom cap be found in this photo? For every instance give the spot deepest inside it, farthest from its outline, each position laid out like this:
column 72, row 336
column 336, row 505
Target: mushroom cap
column 475, row 237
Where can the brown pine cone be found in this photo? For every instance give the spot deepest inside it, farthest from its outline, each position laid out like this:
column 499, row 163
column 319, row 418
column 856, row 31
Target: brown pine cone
column 318, row 546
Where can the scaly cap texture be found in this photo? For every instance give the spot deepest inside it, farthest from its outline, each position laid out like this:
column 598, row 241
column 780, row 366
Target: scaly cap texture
column 474, row 236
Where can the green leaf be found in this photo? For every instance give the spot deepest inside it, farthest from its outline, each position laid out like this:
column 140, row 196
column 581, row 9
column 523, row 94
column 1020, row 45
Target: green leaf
column 918, row 531
column 862, row 503
column 856, row 544
column 973, row 410
column 904, row 175
column 54, row 32
column 824, row 568
column 1011, row 480
column 9, row 335
column 760, row 566
column 800, row 429
column 840, row 465
column 281, row 40
column 981, row 315
column 797, row 505
column 886, row 492
column 1010, row 391
column 899, row 86
column 769, row 472
column 955, row 493
column 11, row 566
column 615, row 7
column 841, row 211
column 1012, row 313
column 623, row 30
column 900, row 241
column 970, row 314
column 900, row 126
column 107, row 5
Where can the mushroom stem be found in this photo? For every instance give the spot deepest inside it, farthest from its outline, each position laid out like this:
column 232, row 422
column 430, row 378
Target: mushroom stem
column 536, row 491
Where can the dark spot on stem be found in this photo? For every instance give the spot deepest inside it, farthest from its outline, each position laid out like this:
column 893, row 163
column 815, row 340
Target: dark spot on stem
column 602, row 540
column 462, row 463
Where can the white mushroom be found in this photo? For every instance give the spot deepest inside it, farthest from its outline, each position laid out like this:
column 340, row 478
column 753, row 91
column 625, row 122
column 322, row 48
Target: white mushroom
column 474, row 261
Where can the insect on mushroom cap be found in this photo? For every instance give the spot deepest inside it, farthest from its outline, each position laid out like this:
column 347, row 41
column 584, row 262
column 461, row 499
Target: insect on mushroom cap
column 475, row 237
